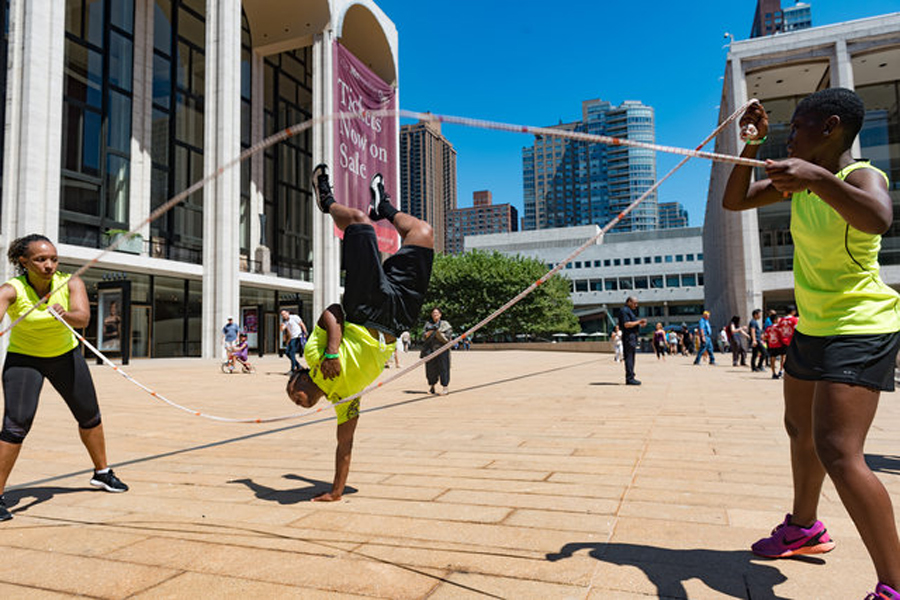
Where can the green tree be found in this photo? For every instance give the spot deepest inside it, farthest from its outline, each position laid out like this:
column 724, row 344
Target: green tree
column 469, row 287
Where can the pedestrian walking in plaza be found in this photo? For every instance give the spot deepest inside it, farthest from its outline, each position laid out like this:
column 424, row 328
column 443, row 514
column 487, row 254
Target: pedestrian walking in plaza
column 437, row 332
column 704, row 340
column 776, row 350
column 660, row 346
column 672, row 339
column 738, row 337
column 630, row 324
column 843, row 352
column 617, row 344
column 294, row 329
column 758, row 353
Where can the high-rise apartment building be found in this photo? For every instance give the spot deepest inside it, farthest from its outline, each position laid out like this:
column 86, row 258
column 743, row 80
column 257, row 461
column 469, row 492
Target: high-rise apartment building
column 771, row 18
column 672, row 215
column 797, row 17
column 428, row 176
column 484, row 217
column 568, row 183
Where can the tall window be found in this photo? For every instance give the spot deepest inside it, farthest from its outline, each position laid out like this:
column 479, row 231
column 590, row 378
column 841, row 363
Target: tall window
column 179, row 38
column 879, row 141
column 4, row 53
column 96, row 120
column 288, row 87
column 246, row 119
column 4, row 45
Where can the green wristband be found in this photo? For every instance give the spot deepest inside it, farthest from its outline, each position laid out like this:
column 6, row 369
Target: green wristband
column 756, row 142
column 326, row 355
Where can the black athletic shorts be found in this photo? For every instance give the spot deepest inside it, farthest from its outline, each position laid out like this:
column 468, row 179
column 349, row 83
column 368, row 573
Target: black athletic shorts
column 776, row 352
column 866, row 360
column 389, row 296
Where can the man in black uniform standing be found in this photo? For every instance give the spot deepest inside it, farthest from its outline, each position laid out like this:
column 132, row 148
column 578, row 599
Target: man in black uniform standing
column 630, row 325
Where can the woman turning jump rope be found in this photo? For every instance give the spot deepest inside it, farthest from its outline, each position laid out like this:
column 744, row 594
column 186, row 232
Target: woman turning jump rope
column 40, row 347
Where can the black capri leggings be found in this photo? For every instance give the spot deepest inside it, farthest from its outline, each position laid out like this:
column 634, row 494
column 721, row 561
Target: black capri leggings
column 23, row 377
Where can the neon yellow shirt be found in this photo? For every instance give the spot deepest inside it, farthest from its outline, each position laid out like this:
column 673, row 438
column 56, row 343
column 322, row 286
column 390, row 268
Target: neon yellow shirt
column 40, row 334
column 836, row 274
column 362, row 361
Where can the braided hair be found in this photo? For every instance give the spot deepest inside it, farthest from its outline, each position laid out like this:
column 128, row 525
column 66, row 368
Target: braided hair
column 19, row 248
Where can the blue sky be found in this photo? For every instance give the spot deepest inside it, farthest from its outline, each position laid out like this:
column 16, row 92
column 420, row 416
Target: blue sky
column 532, row 63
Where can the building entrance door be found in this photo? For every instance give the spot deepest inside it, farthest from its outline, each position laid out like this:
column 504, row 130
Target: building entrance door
column 140, row 330
column 273, row 333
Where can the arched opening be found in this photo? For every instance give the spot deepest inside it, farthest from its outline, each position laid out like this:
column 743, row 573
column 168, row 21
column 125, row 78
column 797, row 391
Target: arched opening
column 362, row 34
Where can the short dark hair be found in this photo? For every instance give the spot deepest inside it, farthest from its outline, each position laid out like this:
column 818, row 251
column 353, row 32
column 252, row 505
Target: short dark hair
column 18, row 247
column 844, row 103
column 295, row 376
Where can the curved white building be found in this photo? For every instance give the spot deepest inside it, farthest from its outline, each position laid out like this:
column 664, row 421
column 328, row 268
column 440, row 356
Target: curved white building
column 114, row 106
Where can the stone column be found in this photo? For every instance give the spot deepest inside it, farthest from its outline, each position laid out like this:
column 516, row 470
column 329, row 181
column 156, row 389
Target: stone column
column 326, row 247
column 222, row 143
column 748, row 294
column 33, row 153
column 730, row 239
column 842, row 76
column 259, row 253
column 141, row 118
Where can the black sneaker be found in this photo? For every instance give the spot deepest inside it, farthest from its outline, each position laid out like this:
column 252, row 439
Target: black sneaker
column 322, row 187
column 376, row 190
column 5, row 515
column 109, row 482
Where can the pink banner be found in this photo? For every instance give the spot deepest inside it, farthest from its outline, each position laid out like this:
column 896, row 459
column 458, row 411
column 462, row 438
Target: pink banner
column 366, row 146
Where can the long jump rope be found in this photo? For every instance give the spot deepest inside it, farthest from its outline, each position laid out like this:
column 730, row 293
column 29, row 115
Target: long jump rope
column 747, row 132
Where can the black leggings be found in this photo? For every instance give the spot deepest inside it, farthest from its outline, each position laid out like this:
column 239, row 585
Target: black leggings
column 438, row 368
column 23, row 377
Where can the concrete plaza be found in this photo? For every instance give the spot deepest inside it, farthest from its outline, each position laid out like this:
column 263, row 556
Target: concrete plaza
column 539, row 476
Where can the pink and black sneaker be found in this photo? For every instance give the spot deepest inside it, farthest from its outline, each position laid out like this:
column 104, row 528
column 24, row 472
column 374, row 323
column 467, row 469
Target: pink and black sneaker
column 791, row 540
column 883, row 592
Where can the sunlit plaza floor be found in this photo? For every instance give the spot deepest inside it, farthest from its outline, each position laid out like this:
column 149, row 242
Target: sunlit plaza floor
column 539, row 476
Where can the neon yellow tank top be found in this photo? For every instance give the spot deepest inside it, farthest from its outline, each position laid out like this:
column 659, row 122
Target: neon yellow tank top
column 837, row 282
column 362, row 361
column 40, row 334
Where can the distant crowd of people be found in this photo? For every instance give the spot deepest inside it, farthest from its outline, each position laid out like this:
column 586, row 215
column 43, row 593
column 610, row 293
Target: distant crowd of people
column 764, row 341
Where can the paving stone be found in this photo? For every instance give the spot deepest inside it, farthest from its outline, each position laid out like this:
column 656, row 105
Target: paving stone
column 527, row 481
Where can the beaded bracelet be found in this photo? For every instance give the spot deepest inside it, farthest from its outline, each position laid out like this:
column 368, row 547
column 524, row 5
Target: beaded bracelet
column 756, row 142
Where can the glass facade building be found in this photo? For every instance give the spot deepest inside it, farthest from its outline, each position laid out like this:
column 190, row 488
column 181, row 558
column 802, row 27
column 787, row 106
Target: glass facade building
column 114, row 107
column 568, row 183
column 672, row 215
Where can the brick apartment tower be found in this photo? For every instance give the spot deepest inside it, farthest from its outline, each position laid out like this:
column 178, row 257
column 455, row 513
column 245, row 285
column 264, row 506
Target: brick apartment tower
column 482, row 217
column 428, row 176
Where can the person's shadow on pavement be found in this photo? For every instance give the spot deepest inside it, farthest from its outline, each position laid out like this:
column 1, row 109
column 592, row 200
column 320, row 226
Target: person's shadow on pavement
column 883, row 463
column 730, row 572
column 15, row 497
column 291, row 496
